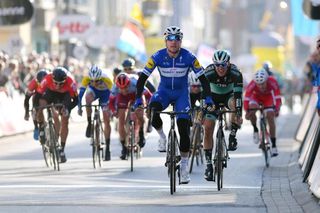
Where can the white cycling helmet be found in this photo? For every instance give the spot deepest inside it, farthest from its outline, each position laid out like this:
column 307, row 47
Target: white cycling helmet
column 221, row 56
column 95, row 72
column 173, row 30
column 261, row 76
column 193, row 80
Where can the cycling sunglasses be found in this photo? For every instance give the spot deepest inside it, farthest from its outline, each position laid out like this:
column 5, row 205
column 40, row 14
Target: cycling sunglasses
column 58, row 82
column 173, row 38
column 224, row 65
column 195, row 86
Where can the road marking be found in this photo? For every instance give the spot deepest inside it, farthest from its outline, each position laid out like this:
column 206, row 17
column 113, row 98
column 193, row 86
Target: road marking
column 117, row 186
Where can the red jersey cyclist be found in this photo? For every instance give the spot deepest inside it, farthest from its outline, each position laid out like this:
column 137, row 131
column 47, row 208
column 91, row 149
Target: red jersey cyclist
column 58, row 87
column 98, row 85
column 263, row 89
column 123, row 95
column 32, row 91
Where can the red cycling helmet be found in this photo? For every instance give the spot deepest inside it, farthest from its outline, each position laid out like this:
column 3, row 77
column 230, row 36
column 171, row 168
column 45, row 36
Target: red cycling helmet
column 122, row 80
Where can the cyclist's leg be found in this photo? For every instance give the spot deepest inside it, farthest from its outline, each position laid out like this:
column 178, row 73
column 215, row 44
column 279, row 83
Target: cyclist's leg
column 47, row 98
column 64, row 129
column 35, row 103
column 159, row 101
column 209, row 123
column 251, row 115
column 183, row 123
column 140, row 119
column 235, row 124
column 122, row 104
column 270, row 115
column 90, row 97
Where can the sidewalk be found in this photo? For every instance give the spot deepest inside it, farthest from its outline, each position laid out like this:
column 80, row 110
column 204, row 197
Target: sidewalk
column 282, row 186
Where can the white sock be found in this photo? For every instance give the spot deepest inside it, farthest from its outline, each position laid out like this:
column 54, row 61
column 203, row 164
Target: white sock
column 161, row 133
column 184, row 162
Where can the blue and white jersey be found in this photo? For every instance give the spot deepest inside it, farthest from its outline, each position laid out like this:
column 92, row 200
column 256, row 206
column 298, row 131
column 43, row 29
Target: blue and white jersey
column 173, row 71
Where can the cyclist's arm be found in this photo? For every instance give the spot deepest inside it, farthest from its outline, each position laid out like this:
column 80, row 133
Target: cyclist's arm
column 150, row 86
column 140, row 84
column 248, row 94
column 205, row 85
column 237, row 91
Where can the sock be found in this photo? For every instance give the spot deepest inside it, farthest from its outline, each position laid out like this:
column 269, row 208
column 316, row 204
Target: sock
column 208, row 156
column 184, row 162
column 234, row 129
column 161, row 133
column 89, row 120
column 108, row 144
column 273, row 141
column 255, row 128
column 63, row 144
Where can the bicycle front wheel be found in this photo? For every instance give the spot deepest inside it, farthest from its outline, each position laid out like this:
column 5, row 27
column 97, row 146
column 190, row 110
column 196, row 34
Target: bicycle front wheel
column 172, row 161
column 264, row 148
column 54, row 149
column 219, row 160
column 132, row 143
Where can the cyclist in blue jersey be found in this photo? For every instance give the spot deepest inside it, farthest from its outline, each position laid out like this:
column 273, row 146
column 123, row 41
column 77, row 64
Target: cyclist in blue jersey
column 173, row 63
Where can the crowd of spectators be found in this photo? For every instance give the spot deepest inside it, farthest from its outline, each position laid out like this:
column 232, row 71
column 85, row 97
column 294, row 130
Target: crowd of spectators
column 16, row 71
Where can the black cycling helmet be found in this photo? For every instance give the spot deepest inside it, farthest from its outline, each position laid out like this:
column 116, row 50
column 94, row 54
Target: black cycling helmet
column 116, row 70
column 41, row 74
column 129, row 62
column 59, row 74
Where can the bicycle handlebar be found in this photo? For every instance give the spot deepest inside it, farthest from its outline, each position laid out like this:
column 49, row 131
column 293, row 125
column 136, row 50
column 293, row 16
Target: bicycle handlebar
column 49, row 106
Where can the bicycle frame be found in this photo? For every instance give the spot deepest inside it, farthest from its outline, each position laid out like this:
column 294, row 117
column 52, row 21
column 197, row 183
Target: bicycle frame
column 173, row 156
column 221, row 155
column 265, row 138
column 97, row 135
column 196, row 138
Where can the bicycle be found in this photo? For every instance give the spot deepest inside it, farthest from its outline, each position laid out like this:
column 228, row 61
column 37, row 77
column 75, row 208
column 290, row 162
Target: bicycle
column 97, row 136
column 264, row 139
column 221, row 155
column 197, row 138
column 133, row 148
column 51, row 147
column 173, row 156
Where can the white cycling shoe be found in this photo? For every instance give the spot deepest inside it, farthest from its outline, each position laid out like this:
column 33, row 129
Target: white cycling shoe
column 184, row 174
column 274, row 151
column 256, row 137
column 162, row 144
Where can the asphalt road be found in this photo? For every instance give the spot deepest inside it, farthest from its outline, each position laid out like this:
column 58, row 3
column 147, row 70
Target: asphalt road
column 27, row 185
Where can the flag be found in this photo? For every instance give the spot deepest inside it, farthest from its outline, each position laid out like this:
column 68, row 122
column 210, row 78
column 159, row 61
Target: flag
column 131, row 41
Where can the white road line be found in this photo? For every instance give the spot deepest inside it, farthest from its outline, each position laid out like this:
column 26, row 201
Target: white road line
column 117, row 186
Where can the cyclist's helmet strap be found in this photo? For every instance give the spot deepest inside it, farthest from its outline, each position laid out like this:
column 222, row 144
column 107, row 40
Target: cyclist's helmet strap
column 59, row 74
column 122, row 80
